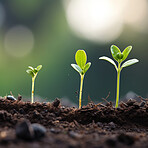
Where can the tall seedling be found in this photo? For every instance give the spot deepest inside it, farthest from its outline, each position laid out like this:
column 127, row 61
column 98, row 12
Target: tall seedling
column 119, row 57
column 81, row 67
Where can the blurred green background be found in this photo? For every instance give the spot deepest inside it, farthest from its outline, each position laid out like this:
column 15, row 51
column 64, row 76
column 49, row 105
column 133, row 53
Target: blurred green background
column 48, row 32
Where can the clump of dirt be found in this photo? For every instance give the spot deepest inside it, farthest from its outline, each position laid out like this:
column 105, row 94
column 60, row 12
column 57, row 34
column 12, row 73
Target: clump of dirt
column 92, row 126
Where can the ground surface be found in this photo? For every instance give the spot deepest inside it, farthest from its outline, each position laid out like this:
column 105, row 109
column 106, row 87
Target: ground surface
column 93, row 126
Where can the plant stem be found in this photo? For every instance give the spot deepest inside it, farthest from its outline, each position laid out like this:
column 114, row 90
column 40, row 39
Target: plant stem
column 81, row 86
column 118, row 85
column 32, row 93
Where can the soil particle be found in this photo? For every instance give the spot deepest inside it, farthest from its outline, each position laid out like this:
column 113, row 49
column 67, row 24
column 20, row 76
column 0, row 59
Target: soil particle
column 111, row 142
column 56, row 102
column 21, row 111
column 142, row 104
column 130, row 102
column 99, row 124
column 75, row 135
column 126, row 139
column 19, row 98
column 37, row 115
column 27, row 131
column 24, row 130
column 5, row 116
column 9, row 97
column 112, row 125
column 7, row 137
column 136, row 105
column 55, row 131
column 39, row 131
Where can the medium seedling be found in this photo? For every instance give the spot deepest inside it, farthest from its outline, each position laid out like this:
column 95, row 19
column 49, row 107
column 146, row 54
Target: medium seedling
column 119, row 57
column 33, row 73
column 81, row 67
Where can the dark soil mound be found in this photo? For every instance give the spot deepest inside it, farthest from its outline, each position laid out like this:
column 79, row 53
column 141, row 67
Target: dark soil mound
column 92, row 126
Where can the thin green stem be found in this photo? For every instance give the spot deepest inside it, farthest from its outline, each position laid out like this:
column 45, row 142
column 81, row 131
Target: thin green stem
column 118, row 85
column 81, row 86
column 32, row 92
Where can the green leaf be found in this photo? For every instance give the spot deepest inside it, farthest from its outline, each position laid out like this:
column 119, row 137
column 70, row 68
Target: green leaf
column 81, row 58
column 115, row 51
column 30, row 67
column 120, row 56
column 129, row 62
column 35, row 70
column 29, row 71
column 126, row 52
column 87, row 67
column 77, row 68
column 39, row 67
column 109, row 60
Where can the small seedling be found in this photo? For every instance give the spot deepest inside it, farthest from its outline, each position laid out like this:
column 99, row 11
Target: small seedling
column 119, row 57
column 33, row 73
column 81, row 67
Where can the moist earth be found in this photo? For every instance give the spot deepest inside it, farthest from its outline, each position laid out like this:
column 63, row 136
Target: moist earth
column 38, row 125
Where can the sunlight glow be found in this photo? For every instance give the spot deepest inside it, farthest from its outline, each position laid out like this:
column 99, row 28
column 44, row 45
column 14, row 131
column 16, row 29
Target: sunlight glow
column 19, row 41
column 136, row 14
column 95, row 20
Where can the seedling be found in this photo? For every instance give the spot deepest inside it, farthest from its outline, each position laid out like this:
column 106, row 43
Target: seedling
column 81, row 67
column 119, row 57
column 33, row 73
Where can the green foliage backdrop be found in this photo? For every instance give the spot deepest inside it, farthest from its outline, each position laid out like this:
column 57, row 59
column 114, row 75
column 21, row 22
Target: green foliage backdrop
column 55, row 45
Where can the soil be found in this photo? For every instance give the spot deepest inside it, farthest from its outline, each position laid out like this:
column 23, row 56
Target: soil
column 92, row 126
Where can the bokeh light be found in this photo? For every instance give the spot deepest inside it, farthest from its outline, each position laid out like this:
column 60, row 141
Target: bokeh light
column 19, row 41
column 136, row 14
column 96, row 20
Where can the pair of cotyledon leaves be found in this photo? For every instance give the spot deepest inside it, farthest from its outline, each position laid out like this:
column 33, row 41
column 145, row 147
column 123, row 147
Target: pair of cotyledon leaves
column 33, row 71
column 81, row 59
column 120, row 57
